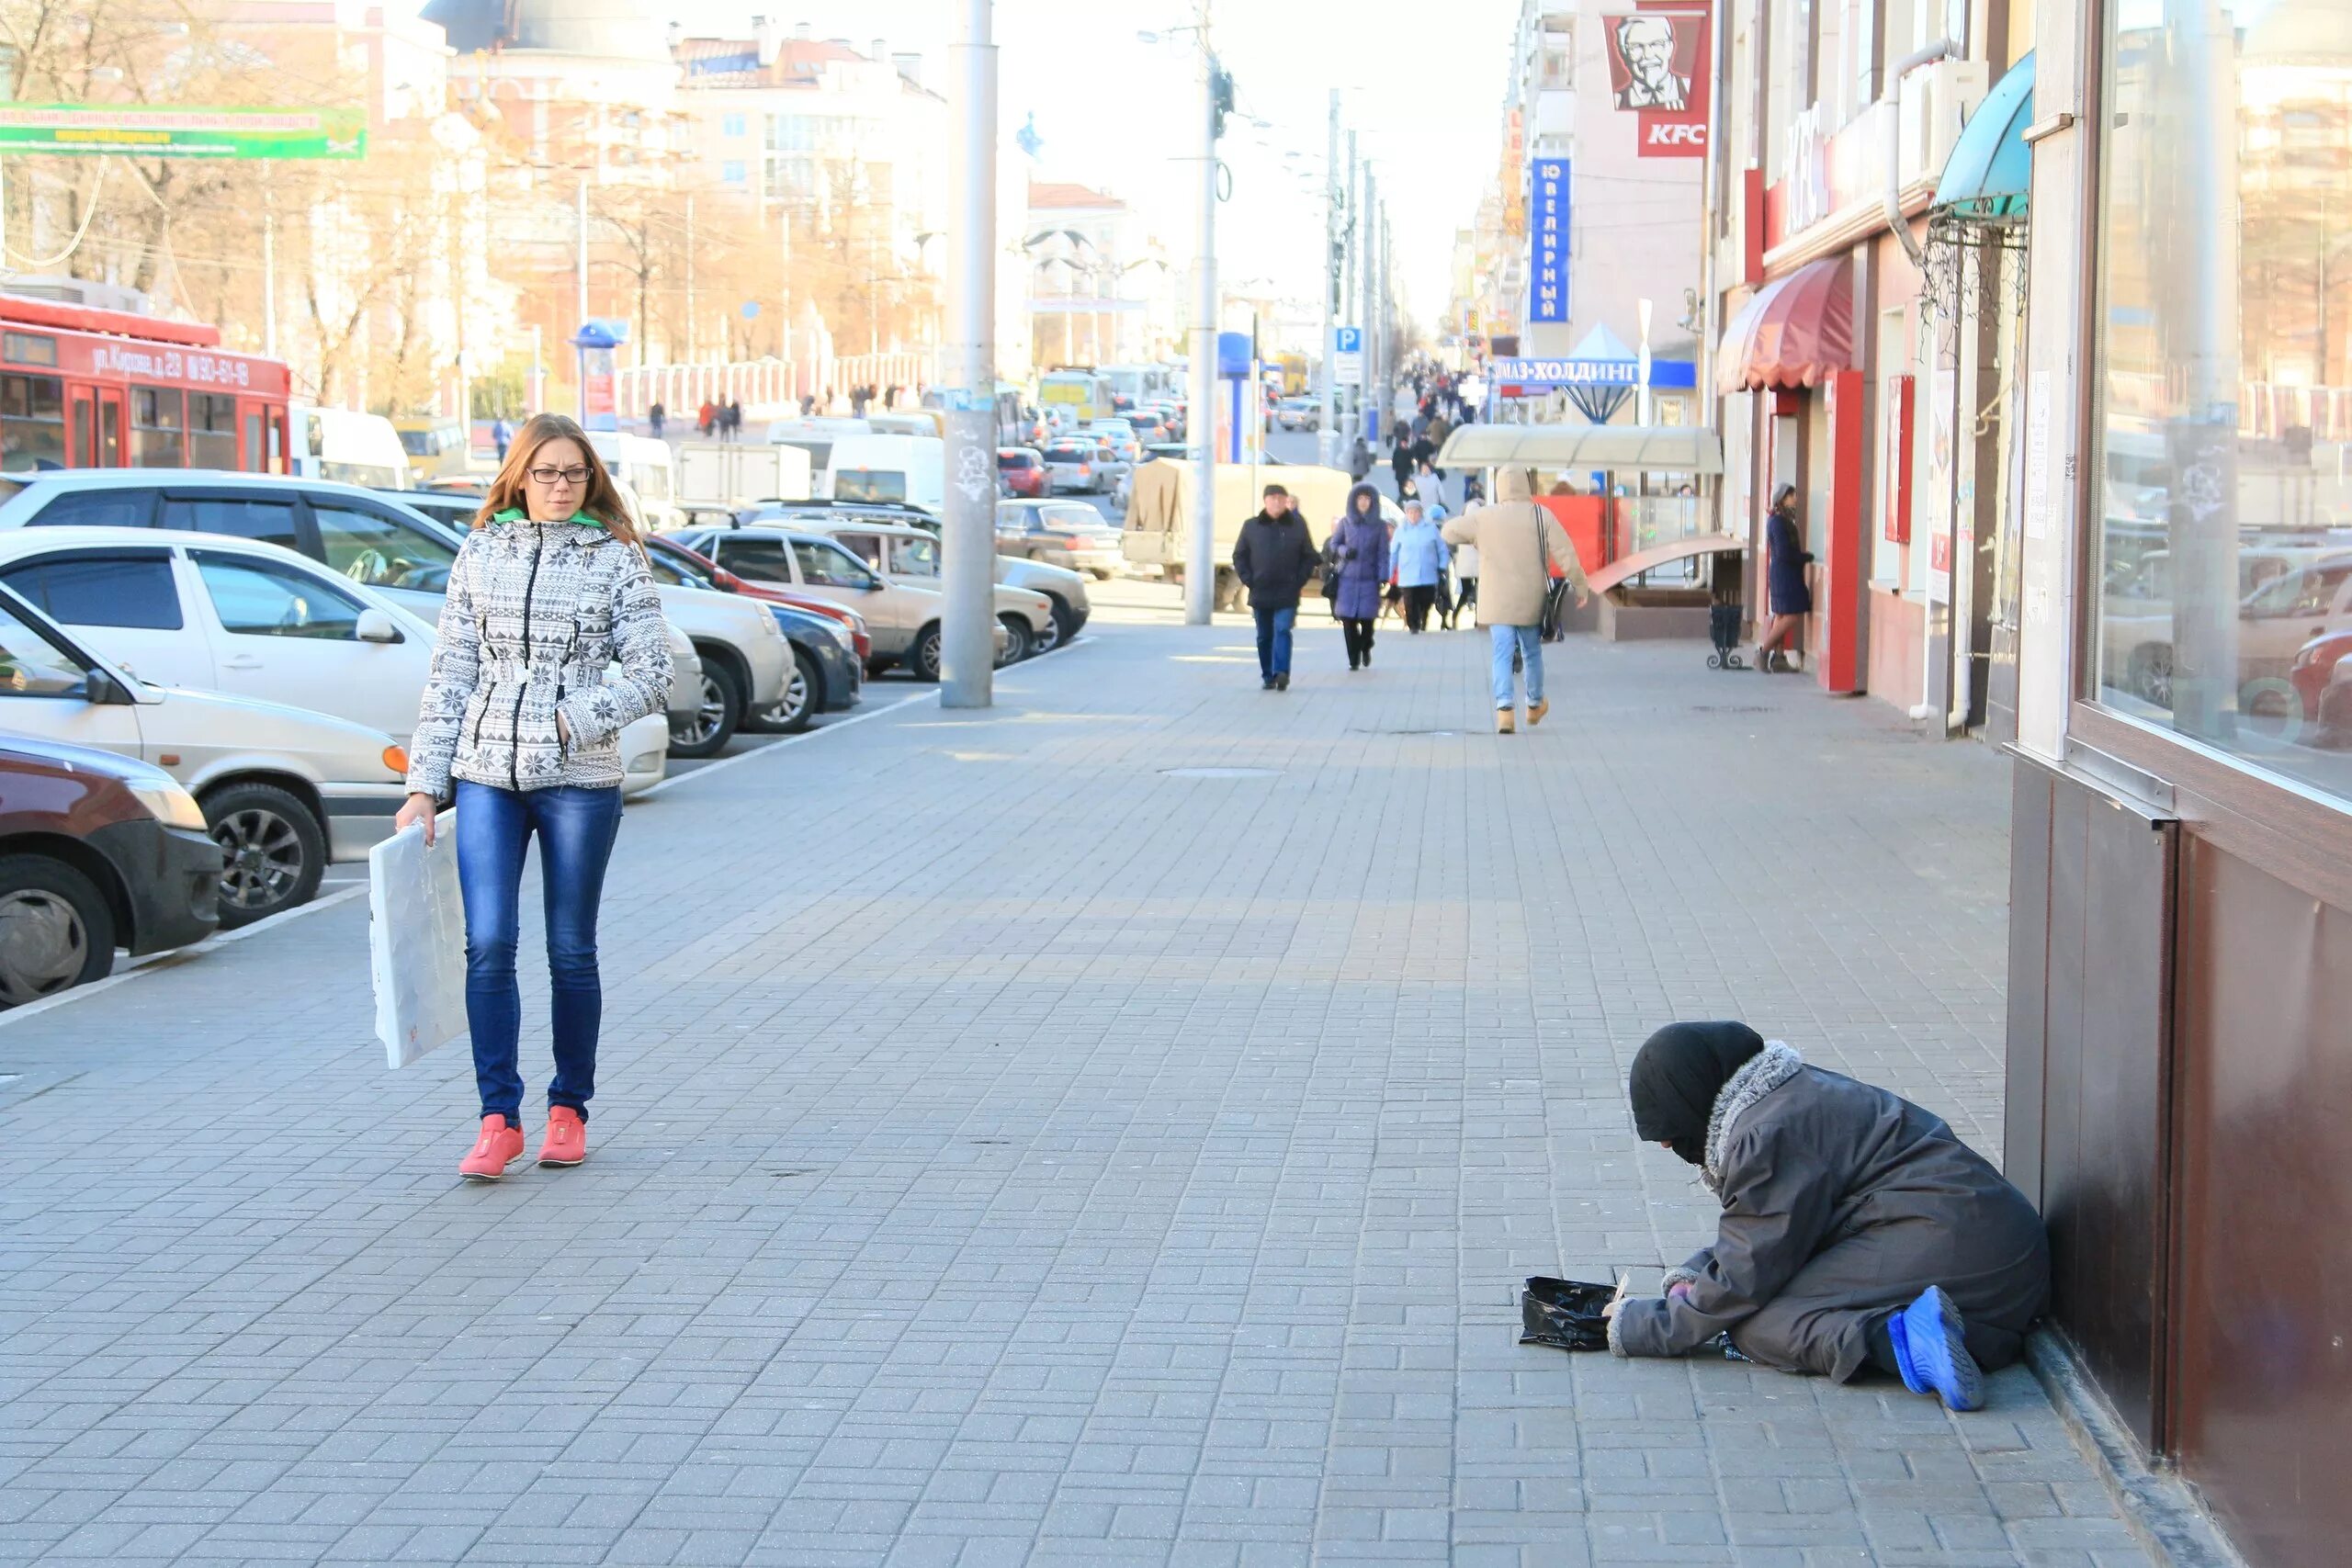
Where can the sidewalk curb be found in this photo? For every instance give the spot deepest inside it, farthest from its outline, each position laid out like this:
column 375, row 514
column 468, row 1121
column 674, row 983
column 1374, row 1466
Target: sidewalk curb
column 2156, row 1506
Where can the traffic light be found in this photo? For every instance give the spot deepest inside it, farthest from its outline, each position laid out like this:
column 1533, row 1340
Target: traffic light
column 1221, row 93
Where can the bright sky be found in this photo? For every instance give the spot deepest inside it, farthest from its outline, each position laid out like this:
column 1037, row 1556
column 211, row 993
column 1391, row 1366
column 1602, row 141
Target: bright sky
column 1422, row 83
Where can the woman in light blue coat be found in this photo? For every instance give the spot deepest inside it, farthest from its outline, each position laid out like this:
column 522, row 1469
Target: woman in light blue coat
column 1421, row 562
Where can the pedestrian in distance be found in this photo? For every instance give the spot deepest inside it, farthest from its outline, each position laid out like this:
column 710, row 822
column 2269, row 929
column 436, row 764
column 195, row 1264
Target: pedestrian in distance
column 1400, row 460
column 653, row 419
column 1789, row 596
column 705, row 418
column 520, row 721
column 1359, row 460
column 502, row 435
column 1421, row 562
column 1274, row 558
column 1360, row 545
column 1523, row 544
column 1857, row 1231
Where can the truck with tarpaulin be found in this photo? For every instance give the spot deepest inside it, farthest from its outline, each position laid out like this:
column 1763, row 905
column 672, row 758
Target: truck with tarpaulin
column 1159, row 513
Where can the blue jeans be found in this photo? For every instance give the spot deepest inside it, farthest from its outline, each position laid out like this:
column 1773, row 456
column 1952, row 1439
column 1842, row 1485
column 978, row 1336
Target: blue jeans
column 575, row 829
column 1529, row 643
column 1273, row 639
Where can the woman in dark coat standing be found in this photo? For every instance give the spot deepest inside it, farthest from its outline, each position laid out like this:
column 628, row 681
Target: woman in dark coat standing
column 1857, row 1230
column 1358, row 545
column 1785, row 558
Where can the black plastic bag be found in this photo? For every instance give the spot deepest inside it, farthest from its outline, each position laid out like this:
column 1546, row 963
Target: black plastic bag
column 1563, row 1312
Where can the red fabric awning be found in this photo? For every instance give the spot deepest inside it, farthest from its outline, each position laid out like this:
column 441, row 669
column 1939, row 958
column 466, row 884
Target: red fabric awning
column 1796, row 332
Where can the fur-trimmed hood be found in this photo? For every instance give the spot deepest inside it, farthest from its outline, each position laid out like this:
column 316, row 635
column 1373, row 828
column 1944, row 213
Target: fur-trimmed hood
column 1764, row 1072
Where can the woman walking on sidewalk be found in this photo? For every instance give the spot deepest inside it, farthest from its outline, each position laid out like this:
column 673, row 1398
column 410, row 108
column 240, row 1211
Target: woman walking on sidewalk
column 1360, row 544
column 521, row 719
column 1420, row 564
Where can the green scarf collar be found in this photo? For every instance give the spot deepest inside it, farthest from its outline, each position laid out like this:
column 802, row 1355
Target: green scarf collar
column 517, row 515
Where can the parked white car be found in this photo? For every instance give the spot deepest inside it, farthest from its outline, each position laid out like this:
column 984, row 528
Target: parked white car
column 283, row 791
column 379, row 542
column 215, row 614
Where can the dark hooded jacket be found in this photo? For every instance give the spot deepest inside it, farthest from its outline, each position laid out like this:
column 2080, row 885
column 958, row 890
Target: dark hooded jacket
column 1841, row 1202
column 1360, row 544
column 1274, row 558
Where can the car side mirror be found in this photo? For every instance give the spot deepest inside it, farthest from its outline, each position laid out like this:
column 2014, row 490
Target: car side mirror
column 374, row 626
column 102, row 690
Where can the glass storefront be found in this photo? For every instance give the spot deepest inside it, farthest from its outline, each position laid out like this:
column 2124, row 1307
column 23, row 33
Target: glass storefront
column 2223, row 555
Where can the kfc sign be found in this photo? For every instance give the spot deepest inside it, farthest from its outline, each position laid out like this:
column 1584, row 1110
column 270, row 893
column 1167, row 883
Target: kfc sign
column 1657, row 72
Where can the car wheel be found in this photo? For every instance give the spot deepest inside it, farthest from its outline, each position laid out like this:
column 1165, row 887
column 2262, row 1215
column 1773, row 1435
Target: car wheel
column 1056, row 632
column 2151, row 674
column 1016, row 640
column 277, row 850
column 715, row 721
column 923, row 659
column 804, row 692
column 55, row 929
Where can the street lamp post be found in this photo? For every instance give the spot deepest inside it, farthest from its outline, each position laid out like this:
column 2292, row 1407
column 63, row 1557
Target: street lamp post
column 1200, row 556
column 967, row 546
column 1327, row 436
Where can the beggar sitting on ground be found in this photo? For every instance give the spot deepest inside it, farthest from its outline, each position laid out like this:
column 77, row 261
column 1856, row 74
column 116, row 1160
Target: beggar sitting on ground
column 1857, row 1231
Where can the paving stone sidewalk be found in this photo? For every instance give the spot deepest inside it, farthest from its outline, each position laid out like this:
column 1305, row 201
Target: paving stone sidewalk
column 1008, row 1151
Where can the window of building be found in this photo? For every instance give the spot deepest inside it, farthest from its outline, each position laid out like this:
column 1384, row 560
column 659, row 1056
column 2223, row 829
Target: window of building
column 1559, row 66
column 731, row 171
column 2224, row 581
column 731, row 125
column 158, row 428
column 32, row 422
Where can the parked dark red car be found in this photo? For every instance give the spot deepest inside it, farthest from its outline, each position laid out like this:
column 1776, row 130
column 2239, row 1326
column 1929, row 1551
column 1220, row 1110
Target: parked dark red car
column 2312, row 674
column 96, row 852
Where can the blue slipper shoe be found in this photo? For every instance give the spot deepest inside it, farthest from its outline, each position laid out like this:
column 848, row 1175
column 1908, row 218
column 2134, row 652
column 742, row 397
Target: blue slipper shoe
column 1932, row 1352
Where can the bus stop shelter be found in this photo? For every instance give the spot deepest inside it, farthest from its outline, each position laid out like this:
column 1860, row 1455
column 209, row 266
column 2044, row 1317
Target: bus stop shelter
column 1626, row 528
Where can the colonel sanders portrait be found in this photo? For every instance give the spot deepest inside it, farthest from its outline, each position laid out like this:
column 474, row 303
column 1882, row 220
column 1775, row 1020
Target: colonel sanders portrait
column 1646, row 46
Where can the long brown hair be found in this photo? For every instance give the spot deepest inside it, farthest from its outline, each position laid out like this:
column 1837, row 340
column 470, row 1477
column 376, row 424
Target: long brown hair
column 602, row 500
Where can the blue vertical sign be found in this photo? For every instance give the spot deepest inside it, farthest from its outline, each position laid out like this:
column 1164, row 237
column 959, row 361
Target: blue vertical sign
column 1547, row 235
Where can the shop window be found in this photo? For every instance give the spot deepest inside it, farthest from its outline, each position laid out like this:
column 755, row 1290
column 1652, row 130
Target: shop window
column 2220, row 558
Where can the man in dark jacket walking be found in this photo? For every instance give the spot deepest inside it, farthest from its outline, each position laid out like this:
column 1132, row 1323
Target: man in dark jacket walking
column 1274, row 558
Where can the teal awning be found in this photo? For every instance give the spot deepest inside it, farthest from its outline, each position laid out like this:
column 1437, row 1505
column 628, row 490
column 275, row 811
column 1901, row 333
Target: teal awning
column 1991, row 167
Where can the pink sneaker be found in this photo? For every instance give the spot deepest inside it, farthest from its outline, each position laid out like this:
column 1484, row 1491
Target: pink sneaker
column 498, row 1144
column 567, row 1140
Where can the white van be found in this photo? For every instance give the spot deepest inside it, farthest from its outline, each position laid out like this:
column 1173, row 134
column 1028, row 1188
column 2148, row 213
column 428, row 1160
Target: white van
column 351, row 449
column 815, row 435
column 643, row 464
column 910, row 468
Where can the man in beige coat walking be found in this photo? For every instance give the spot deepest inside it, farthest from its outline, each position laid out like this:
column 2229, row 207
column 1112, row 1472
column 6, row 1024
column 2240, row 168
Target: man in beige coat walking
column 1520, row 545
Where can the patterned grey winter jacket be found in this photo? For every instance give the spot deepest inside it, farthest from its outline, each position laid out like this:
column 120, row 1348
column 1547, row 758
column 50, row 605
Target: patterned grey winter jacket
column 536, row 614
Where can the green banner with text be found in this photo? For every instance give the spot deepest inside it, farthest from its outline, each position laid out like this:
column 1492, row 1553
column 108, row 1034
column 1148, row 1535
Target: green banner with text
column 142, row 133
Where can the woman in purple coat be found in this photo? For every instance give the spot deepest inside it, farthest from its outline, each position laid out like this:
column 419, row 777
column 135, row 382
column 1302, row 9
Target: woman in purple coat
column 1358, row 545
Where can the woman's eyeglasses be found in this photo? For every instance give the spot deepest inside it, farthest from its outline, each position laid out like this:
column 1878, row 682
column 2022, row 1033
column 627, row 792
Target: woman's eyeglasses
column 558, row 476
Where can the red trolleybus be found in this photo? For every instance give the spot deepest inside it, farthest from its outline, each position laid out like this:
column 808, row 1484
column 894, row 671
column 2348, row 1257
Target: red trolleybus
column 89, row 389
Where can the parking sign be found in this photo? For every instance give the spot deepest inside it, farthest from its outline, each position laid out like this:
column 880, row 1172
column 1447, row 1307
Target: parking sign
column 1347, row 355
